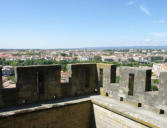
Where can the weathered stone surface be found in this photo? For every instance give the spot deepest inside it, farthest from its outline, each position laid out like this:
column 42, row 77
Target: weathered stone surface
column 79, row 113
column 134, row 88
column 141, row 76
column 110, row 113
column 69, row 114
column 41, row 83
column 108, row 119
column 38, row 82
column 130, row 103
column 1, row 77
column 106, row 74
column 84, row 78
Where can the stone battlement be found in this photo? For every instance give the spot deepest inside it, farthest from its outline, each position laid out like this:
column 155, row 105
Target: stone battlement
column 129, row 103
column 42, row 83
column 135, row 88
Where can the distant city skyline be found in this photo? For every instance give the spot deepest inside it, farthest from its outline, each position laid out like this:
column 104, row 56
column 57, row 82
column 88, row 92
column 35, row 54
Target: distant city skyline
column 40, row 24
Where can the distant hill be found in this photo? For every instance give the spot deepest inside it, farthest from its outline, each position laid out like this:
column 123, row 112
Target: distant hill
column 94, row 48
column 127, row 47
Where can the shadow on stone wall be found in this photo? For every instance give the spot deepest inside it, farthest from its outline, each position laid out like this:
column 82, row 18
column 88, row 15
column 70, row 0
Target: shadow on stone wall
column 42, row 83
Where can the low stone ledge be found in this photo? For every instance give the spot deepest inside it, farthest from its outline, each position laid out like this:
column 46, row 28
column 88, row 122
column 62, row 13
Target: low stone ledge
column 139, row 115
column 43, row 106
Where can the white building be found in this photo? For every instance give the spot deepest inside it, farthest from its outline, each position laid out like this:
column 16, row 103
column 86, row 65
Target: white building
column 7, row 70
column 157, row 68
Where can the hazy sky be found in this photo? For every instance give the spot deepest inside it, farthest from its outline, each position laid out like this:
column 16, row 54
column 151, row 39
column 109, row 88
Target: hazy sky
column 82, row 23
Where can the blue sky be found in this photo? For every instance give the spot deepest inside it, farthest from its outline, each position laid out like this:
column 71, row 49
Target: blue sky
column 82, row 23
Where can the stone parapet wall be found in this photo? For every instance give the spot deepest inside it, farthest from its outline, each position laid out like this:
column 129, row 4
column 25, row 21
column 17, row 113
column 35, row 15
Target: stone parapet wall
column 42, row 83
column 135, row 88
column 73, row 113
column 111, row 113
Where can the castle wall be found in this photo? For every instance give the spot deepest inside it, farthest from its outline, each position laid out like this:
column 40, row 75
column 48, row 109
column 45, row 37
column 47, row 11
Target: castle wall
column 0, row 77
column 135, row 88
column 111, row 113
column 108, row 119
column 84, row 79
column 36, row 84
column 79, row 113
column 106, row 74
column 70, row 115
column 42, row 83
column 9, row 97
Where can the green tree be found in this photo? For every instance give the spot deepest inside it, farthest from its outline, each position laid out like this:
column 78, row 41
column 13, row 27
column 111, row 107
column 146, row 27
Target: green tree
column 97, row 58
column 64, row 54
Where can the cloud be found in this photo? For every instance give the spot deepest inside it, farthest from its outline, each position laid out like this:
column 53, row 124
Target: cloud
column 158, row 21
column 144, row 10
column 147, row 40
column 131, row 3
column 159, row 34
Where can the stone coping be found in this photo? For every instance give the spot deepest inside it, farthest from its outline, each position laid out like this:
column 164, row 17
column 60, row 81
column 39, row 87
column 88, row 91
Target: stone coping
column 34, row 66
column 42, row 106
column 145, row 117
